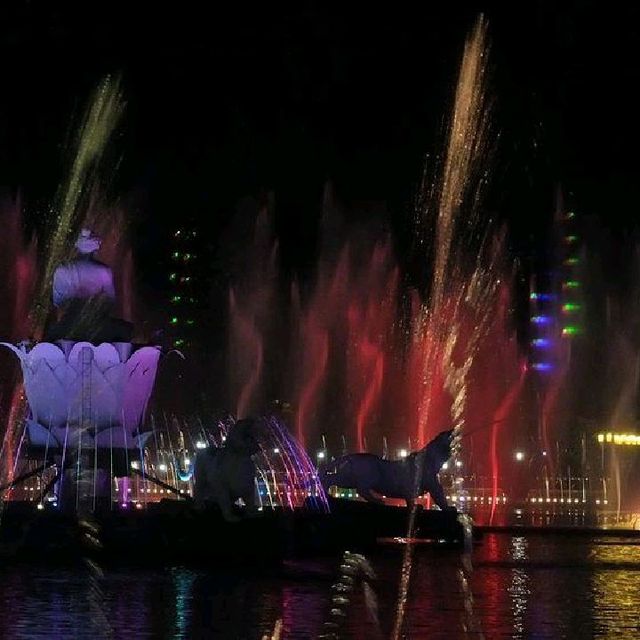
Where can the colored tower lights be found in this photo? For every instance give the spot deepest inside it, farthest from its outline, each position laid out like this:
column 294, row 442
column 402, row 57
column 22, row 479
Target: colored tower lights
column 555, row 301
column 571, row 285
column 182, row 298
column 542, row 328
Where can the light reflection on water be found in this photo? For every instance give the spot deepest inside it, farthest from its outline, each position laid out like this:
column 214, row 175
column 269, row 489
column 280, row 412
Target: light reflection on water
column 542, row 586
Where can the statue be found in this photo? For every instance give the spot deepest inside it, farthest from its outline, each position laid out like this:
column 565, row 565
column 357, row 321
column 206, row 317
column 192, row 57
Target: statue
column 409, row 478
column 225, row 474
column 87, row 386
column 84, row 298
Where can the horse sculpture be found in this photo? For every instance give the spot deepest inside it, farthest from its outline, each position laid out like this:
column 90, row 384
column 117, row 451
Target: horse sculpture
column 223, row 475
column 372, row 476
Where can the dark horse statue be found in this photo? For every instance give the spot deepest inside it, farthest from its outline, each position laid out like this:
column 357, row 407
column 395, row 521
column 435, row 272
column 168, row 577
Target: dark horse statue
column 372, row 477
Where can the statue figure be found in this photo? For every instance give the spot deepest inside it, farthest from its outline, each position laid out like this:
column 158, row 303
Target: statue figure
column 225, row 474
column 372, row 477
column 84, row 297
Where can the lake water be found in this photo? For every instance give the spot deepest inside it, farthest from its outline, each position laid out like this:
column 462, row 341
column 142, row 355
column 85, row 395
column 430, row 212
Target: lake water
column 533, row 586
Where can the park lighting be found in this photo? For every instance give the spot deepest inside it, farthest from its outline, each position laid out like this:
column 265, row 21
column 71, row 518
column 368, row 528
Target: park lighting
column 321, row 455
column 520, row 456
column 201, row 445
column 445, row 466
column 402, row 453
column 458, row 463
column 276, row 451
column 162, row 467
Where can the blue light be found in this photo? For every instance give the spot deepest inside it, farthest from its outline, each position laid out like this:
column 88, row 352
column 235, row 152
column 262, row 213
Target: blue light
column 541, row 319
column 541, row 343
column 545, row 297
column 542, row 366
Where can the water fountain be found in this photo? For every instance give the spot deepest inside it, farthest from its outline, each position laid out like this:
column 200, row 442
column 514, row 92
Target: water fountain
column 87, row 385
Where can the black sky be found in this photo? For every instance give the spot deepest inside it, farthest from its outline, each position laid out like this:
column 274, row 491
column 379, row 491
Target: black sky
column 244, row 98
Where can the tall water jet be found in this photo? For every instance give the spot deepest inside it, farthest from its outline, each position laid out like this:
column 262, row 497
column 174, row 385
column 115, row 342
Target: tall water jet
column 454, row 290
column 371, row 315
column 71, row 202
column 250, row 303
column 18, row 266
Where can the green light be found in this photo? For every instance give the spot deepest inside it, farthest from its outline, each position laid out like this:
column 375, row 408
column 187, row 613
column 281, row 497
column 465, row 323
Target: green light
column 176, row 254
column 571, row 284
column 179, row 342
column 572, row 261
column 187, row 256
column 176, row 298
column 533, row 296
column 570, row 330
column 570, row 215
column 571, row 239
column 189, row 322
column 570, row 307
column 174, row 320
column 172, row 276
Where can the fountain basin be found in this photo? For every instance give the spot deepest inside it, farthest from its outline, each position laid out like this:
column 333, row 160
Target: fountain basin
column 85, row 394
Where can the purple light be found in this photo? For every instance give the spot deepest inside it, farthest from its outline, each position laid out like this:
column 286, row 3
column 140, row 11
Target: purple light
column 542, row 366
column 541, row 319
column 541, row 343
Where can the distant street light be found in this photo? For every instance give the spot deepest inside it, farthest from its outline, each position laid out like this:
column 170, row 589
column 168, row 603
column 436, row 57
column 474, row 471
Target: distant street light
column 403, row 453
column 519, row 456
column 321, row 455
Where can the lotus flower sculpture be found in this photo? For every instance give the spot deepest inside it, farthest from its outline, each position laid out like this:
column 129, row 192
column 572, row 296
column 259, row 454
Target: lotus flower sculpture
column 80, row 394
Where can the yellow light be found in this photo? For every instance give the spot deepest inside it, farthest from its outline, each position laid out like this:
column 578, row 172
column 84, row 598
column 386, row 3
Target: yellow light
column 626, row 439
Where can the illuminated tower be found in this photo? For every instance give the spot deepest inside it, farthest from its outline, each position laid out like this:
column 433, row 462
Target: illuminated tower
column 556, row 314
column 556, row 308
column 570, row 298
column 182, row 292
column 543, row 327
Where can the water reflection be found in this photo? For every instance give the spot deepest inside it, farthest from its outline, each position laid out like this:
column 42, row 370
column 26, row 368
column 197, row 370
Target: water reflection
column 519, row 588
column 542, row 586
column 615, row 587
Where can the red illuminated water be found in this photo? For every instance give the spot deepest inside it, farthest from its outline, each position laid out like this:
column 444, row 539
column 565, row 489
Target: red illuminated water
column 17, row 284
column 359, row 367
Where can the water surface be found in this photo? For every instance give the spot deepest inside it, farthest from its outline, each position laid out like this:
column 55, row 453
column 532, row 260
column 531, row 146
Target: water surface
column 534, row 586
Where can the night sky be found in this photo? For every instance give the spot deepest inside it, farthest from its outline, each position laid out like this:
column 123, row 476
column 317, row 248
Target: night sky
column 244, row 99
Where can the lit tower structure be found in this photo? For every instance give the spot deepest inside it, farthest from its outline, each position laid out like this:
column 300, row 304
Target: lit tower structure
column 543, row 330
column 556, row 312
column 556, row 306
column 182, row 295
column 570, row 294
